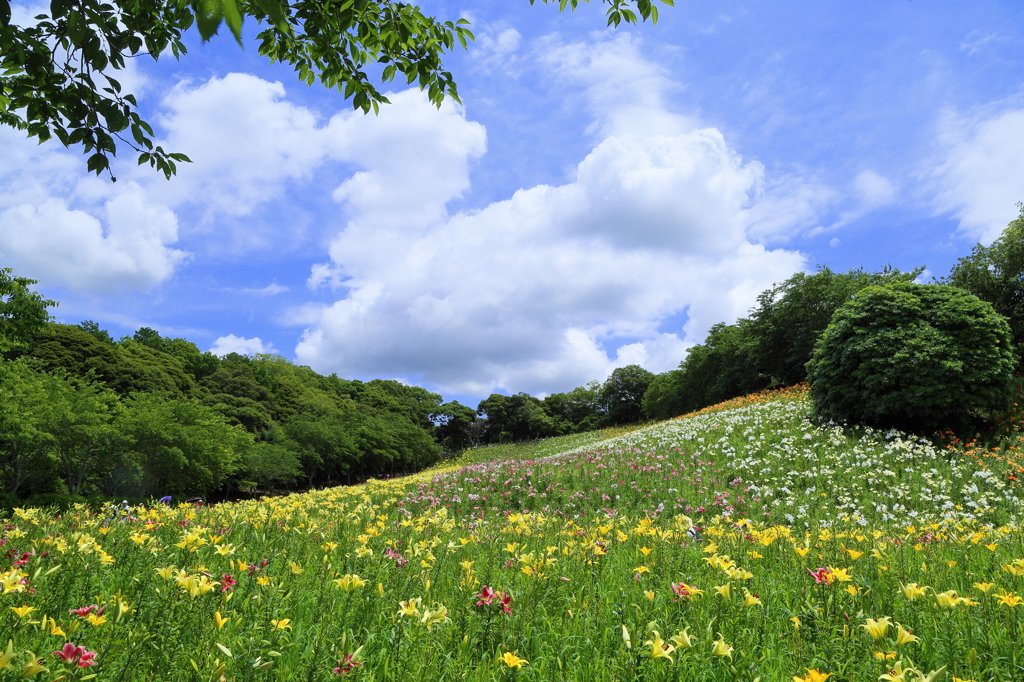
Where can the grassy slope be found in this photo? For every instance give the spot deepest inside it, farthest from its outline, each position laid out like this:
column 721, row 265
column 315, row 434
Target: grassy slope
column 590, row 537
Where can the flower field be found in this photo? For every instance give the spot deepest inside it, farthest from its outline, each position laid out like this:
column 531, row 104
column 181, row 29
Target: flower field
column 736, row 544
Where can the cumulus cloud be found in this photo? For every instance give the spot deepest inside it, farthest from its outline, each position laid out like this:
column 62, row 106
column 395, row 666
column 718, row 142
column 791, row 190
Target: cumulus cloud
column 555, row 285
column 241, row 345
column 980, row 177
column 245, row 140
column 61, row 226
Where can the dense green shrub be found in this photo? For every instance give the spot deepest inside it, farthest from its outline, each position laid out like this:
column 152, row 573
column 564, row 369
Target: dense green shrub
column 913, row 357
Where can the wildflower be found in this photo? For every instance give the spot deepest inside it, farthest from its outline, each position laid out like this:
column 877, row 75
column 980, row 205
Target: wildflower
column 913, row 591
column 802, row 551
column 23, row 610
column 513, row 661
column 55, row 630
column 812, row 676
column 263, row 580
column 432, row 617
column 1016, row 568
column 720, row 648
column 70, row 653
column 882, row 656
column 165, row 573
column 487, row 595
column 227, row 582
column 750, row 599
column 984, row 587
column 904, row 636
column 295, row 568
column 219, row 620
column 1009, row 599
column 649, row 594
column 349, row 582
column 877, row 627
column 840, row 574
column 96, row 619
column 685, row 592
column 660, row 649
column 796, row 622
column 34, row 666
column 724, row 590
column 410, row 608
column 822, row 575
column 283, row 624
column 896, row 674
column 84, row 611
column 347, row 664
column 682, row 639
column 948, row 599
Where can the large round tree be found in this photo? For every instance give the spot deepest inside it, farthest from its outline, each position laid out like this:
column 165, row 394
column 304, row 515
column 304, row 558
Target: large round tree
column 913, row 357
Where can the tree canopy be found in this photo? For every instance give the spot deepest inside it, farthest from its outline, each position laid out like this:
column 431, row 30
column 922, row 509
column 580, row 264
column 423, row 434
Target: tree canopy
column 57, row 76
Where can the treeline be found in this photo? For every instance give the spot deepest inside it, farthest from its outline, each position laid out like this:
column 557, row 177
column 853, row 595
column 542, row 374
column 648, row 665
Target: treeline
column 84, row 415
column 769, row 348
column 772, row 346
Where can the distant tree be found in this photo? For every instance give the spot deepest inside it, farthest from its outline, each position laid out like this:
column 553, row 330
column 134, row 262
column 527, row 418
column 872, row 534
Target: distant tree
column 622, row 394
column 23, row 314
column 580, row 409
column 26, row 405
column 665, row 397
column 789, row 318
column 913, row 357
column 181, row 446
column 454, row 427
column 93, row 328
column 995, row 274
column 71, row 349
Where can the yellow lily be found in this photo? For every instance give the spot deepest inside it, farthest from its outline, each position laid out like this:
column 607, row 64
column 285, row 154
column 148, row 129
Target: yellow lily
column 720, row 648
column 660, row 649
column 513, row 661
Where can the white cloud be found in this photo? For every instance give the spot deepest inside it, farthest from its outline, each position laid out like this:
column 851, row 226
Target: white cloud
column 874, row 189
column 64, row 227
column 245, row 140
column 241, row 345
column 272, row 289
column 528, row 293
column 980, row 177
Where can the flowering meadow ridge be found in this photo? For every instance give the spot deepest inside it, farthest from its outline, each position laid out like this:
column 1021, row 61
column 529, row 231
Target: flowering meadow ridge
column 741, row 543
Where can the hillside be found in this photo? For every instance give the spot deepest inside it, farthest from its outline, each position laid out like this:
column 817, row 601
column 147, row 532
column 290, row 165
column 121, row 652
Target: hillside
column 737, row 544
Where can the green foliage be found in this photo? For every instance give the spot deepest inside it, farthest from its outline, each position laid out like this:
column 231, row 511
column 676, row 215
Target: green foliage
column 22, row 311
column 180, row 445
column 25, row 407
column 769, row 348
column 580, row 409
column 71, row 349
column 995, row 274
column 789, row 317
column 665, row 397
column 913, row 357
column 57, row 74
column 622, row 393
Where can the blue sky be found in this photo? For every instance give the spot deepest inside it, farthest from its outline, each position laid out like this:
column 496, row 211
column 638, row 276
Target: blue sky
column 601, row 198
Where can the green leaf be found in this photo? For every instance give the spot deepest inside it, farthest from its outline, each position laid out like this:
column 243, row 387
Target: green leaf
column 208, row 18
column 5, row 13
column 276, row 13
column 233, row 18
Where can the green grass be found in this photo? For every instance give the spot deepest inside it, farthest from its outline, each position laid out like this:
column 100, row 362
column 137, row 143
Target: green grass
column 593, row 538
